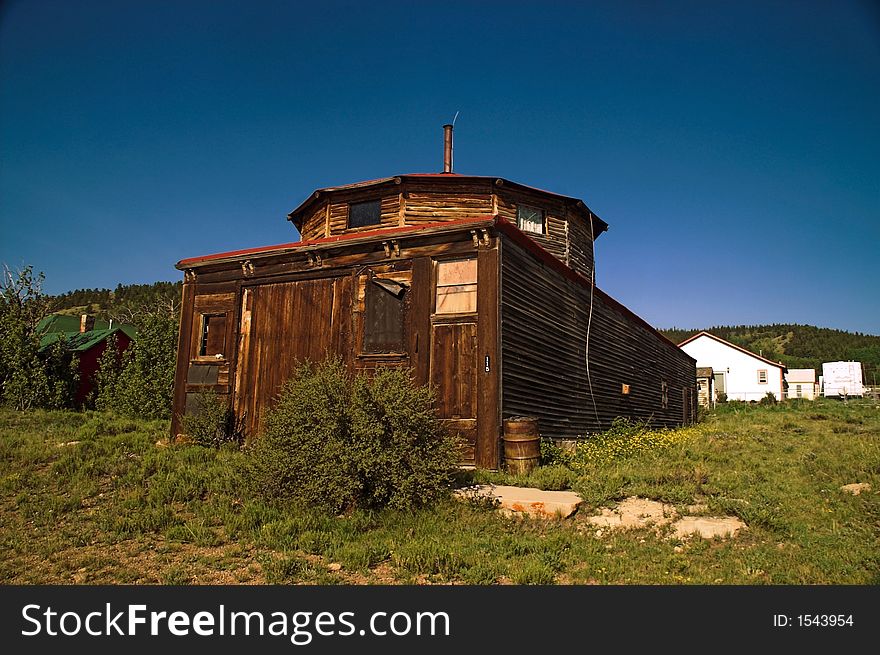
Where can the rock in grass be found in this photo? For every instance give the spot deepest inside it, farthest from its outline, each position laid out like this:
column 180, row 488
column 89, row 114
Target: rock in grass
column 856, row 488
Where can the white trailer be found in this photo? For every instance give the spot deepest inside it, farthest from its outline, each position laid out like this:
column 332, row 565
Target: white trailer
column 842, row 379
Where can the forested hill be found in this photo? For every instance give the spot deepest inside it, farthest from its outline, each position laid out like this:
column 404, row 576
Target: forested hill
column 799, row 346
column 127, row 302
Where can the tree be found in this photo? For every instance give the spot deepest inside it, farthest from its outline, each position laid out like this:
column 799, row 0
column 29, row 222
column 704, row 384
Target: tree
column 29, row 378
column 141, row 383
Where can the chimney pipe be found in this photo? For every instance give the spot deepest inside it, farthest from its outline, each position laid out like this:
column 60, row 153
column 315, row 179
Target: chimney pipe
column 447, row 148
column 86, row 323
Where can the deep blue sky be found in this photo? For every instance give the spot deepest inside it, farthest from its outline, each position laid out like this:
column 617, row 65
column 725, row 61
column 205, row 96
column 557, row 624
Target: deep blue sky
column 734, row 148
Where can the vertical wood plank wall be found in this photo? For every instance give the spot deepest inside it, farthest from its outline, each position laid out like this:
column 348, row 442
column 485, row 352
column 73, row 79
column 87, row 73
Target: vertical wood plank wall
column 290, row 322
column 543, row 335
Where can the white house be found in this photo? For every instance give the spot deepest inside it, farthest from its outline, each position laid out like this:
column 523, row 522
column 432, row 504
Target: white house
column 738, row 373
column 802, row 383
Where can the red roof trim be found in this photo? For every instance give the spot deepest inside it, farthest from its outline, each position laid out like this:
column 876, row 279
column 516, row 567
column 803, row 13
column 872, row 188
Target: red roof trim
column 734, row 346
column 339, row 238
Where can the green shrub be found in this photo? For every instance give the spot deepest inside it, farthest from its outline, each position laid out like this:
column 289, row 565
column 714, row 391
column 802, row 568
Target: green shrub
column 212, row 422
column 141, row 383
column 552, row 454
column 31, row 378
column 340, row 442
column 768, row 399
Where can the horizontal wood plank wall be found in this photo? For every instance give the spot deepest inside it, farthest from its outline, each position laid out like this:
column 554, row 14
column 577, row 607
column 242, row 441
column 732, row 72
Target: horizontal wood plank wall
column 543, row 338
column 429, row 203
column 314, row 225
column 389, row 210
column 580, row 245
column 555, row 241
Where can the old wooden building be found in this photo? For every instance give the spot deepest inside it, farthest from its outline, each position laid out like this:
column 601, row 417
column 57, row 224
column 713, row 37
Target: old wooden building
column 482, row 286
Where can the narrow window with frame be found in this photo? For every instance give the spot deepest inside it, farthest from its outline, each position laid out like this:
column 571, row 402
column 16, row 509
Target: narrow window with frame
column 212, row 341
column 762, row 376
column 383, row 316
column 362, row 214
column 530, row 219
column 456, row 287
column 664, row 395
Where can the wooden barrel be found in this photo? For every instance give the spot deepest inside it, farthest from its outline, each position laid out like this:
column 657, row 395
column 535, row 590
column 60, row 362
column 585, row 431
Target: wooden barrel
column 522, row 444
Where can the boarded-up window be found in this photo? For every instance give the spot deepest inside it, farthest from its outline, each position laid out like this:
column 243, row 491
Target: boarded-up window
column 383, row 316
column 361, row 214
column 530, row 219
column 456, row 287
column 213, row 341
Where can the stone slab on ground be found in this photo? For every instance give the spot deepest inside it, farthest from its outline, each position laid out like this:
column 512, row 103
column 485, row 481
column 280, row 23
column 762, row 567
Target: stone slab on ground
column 708, row 527
column 526, row 500
column 634, row 512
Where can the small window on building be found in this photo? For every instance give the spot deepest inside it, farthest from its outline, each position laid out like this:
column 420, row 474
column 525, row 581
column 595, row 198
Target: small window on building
column 664, row 395
column 530, row 219
column 799, row 391
column 456, row 287
column 213, row 339
column 361, row 214
column 762, row 376
column 383, row 316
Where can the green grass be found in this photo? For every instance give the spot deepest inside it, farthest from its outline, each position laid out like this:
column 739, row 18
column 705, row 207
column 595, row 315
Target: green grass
column 116, row 508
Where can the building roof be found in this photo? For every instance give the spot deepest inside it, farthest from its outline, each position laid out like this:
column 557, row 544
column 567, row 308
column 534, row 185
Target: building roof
column 704, row 371
column 599, row 225
column 348, row 238
column 413, row 231
column 55, row 326
column 734, row 346
column 801, row 375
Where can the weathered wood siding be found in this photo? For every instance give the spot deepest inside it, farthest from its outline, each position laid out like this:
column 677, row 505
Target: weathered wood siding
column 284, row 309
column 544, row 317
column 315, row 222
column 580, row 244
column 284, row 324
column 196, row 374
column 567, row 234
column 389, row 213
column 447, row 201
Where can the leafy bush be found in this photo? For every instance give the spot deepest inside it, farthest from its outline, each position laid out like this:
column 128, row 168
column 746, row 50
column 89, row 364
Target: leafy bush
column 768, row 399
column 30, row 378
column 141, row 384
column 339, row 442
column 552, row 454
column 212, row 423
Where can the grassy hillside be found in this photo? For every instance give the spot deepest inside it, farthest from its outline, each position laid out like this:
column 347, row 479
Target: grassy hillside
column 799, row 346
column 90, row 499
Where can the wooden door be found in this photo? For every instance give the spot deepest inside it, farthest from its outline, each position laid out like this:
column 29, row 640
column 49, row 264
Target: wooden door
column 281, row 325
column 454, row 378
